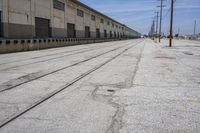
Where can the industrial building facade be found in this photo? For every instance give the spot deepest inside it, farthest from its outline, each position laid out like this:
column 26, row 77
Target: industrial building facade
column 57, row 18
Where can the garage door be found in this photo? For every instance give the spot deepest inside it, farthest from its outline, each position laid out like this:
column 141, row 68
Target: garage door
column 97, row 33
column 71, row 32
column 114, row 34
column 42, row 28
column 110, row 34
column 87, row 32
column 105, row 33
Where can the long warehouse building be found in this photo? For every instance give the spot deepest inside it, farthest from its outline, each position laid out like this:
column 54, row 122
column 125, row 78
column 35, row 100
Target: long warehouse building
column 57, row 18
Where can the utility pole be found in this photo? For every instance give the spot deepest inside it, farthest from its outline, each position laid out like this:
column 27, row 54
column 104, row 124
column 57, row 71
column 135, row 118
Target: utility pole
column 157, row 24
column 160, row 30
column 171, row 23
column 154, row 28
column 178, row 31
column 195, row 23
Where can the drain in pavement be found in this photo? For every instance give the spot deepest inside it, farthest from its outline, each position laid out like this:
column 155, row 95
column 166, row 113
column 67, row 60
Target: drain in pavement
column 111, row 90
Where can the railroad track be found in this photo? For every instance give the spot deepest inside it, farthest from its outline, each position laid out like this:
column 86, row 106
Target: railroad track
column 70, row 83
column 57, row 53
column 34, row 76
column 53, row 58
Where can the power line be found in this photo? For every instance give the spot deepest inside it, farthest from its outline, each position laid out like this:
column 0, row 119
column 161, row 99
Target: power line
column 168, row 11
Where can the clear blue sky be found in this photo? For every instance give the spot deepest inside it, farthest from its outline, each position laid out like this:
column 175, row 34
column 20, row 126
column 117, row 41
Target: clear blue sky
column 138, row 14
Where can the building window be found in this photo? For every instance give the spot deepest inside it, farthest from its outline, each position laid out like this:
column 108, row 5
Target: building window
column 112, row 25
column 93, row 18
column 108, row 23
column 80, row 13
column 58, row 5
column 102, row 21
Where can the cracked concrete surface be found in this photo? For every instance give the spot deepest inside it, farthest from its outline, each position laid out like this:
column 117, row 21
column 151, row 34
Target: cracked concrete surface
column 149, row 89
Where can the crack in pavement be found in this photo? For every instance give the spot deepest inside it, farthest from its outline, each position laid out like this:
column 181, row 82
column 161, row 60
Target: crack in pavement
column 98, row 94
column 116, row 123
column 117, row 120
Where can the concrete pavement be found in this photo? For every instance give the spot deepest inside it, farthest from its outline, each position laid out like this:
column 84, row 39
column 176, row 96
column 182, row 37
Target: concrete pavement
column 147, row 88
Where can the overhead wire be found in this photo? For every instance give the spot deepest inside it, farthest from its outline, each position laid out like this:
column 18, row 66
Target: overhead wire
column 168, row 11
